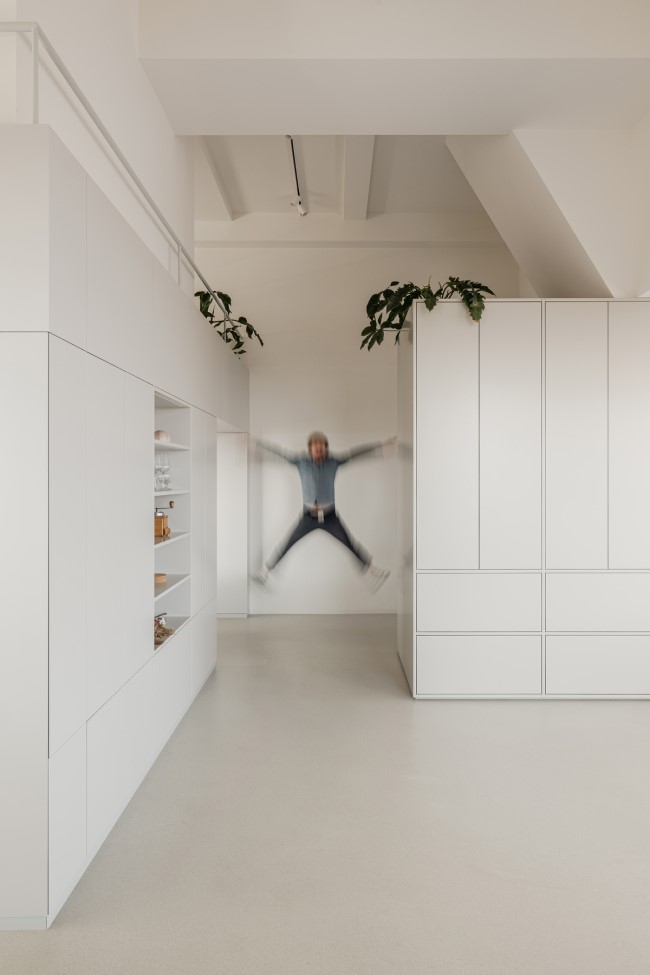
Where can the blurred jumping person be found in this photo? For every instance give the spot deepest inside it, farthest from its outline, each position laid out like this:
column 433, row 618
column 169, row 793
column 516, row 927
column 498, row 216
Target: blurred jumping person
column 318, row 469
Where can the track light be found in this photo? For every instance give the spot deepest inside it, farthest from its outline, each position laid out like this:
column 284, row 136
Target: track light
column 297, row 201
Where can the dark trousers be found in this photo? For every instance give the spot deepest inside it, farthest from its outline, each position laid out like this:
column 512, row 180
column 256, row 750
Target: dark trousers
column 331, row 524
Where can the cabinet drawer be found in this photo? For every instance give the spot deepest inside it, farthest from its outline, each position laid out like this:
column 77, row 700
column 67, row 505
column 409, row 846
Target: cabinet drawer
column 479, row 601
column 598, row 601
column 598, row 664
column 466, row 665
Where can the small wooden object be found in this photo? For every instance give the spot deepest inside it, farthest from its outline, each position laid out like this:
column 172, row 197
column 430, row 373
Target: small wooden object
column 159, row 578
column 161, row 527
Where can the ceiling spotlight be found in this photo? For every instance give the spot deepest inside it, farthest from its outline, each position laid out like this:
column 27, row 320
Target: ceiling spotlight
column 296, row 202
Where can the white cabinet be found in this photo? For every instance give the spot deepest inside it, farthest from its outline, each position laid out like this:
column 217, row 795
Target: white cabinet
column 24, row 656
column 629, row 435
column 106, row 657
column 597, row 665
column 510, row 406
column 204, row 646
column 482, row 601
column 478, row 665
column 67, row 818
column 447, row 439
column 90, row 325
column 576, row 435
column 67, row 540
column 597, row 601
column 532, row 479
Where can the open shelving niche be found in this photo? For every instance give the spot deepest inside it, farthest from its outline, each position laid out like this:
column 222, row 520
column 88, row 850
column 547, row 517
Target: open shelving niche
column 172, row 554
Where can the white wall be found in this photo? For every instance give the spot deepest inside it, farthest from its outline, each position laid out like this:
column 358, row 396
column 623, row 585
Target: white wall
column 99, row 45
column 7, row 65
column 320, row 379
column 232, row 524
column 324, row 382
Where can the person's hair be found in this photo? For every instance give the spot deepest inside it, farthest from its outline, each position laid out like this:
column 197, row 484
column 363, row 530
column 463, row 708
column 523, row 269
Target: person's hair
column 317, row 435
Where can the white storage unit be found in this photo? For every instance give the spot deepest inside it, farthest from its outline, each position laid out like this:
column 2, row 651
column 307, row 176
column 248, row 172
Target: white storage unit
column 528, row 499
column 87, row 700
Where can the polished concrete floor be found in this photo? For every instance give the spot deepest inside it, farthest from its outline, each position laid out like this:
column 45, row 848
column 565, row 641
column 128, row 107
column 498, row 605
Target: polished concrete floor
column 309, row 818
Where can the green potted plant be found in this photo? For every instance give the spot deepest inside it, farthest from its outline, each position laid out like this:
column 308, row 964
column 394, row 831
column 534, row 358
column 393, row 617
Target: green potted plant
column 387, row 310
column 215, row 306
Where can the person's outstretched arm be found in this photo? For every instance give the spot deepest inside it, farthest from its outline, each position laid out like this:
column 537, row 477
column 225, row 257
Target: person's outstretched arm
column 367, row 448
column 292, row 457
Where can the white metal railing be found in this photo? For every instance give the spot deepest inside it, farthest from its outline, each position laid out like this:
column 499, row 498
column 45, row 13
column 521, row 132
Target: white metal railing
column 39, row 40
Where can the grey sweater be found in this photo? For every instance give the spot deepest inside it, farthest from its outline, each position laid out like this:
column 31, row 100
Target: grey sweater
column 317, row 479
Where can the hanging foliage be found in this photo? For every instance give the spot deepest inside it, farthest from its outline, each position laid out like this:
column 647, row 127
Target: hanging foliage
column 220, row 318
column 387, row 310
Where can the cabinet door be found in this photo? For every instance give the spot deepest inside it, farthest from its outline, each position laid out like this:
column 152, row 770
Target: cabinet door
column 106, row 658
column 67, row 537
column 598, row 664
column 138, row 518
column 447, row 448
column 204, row 647
column 511, row 436
column 23, row 658
column 576, row 435
column 67, row 818
column 629, row 435
column 471, row 665
column 198, row 510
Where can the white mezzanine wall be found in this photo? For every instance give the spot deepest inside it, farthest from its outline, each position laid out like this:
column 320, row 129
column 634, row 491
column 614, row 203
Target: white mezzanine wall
column 98, row 43
column 309, row 305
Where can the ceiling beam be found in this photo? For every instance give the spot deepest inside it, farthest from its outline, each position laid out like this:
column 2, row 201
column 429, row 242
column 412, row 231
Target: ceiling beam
column 357, row 168
column 208, row 181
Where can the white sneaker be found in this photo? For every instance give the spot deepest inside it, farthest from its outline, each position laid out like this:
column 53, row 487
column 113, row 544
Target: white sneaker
column 376, row 577
column 261, row 578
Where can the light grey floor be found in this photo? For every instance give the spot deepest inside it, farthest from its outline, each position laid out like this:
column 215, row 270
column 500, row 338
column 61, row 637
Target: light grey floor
column 309, row 818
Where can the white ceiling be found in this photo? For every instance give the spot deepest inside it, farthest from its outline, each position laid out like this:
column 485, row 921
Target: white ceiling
column 409, row 174
column 398, row 97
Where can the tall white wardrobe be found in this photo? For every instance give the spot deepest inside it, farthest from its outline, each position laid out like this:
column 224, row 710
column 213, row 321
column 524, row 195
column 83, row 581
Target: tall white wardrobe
column 526, row 500
column 99, row 348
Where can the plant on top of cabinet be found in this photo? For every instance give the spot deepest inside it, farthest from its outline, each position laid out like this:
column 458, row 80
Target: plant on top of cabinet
column 388, row 308
column 229, row 332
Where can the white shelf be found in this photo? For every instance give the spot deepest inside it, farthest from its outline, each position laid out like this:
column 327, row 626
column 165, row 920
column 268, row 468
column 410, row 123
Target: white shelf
column 170, row 446
column 174, row 537
column 176, row 623
column 173, row 582
column 167, row 494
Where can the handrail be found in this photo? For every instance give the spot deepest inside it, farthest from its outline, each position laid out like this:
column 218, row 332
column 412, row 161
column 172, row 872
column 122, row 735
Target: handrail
column 40, row 38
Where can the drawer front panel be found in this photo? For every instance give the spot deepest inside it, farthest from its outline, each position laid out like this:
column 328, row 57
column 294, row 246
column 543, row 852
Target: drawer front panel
column 597, row 601
column 468, row 665
column 598, row 664
column 479, row 601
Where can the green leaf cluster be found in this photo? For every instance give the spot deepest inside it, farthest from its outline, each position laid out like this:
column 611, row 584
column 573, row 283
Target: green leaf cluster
column 388, row 308
column 218, row 314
